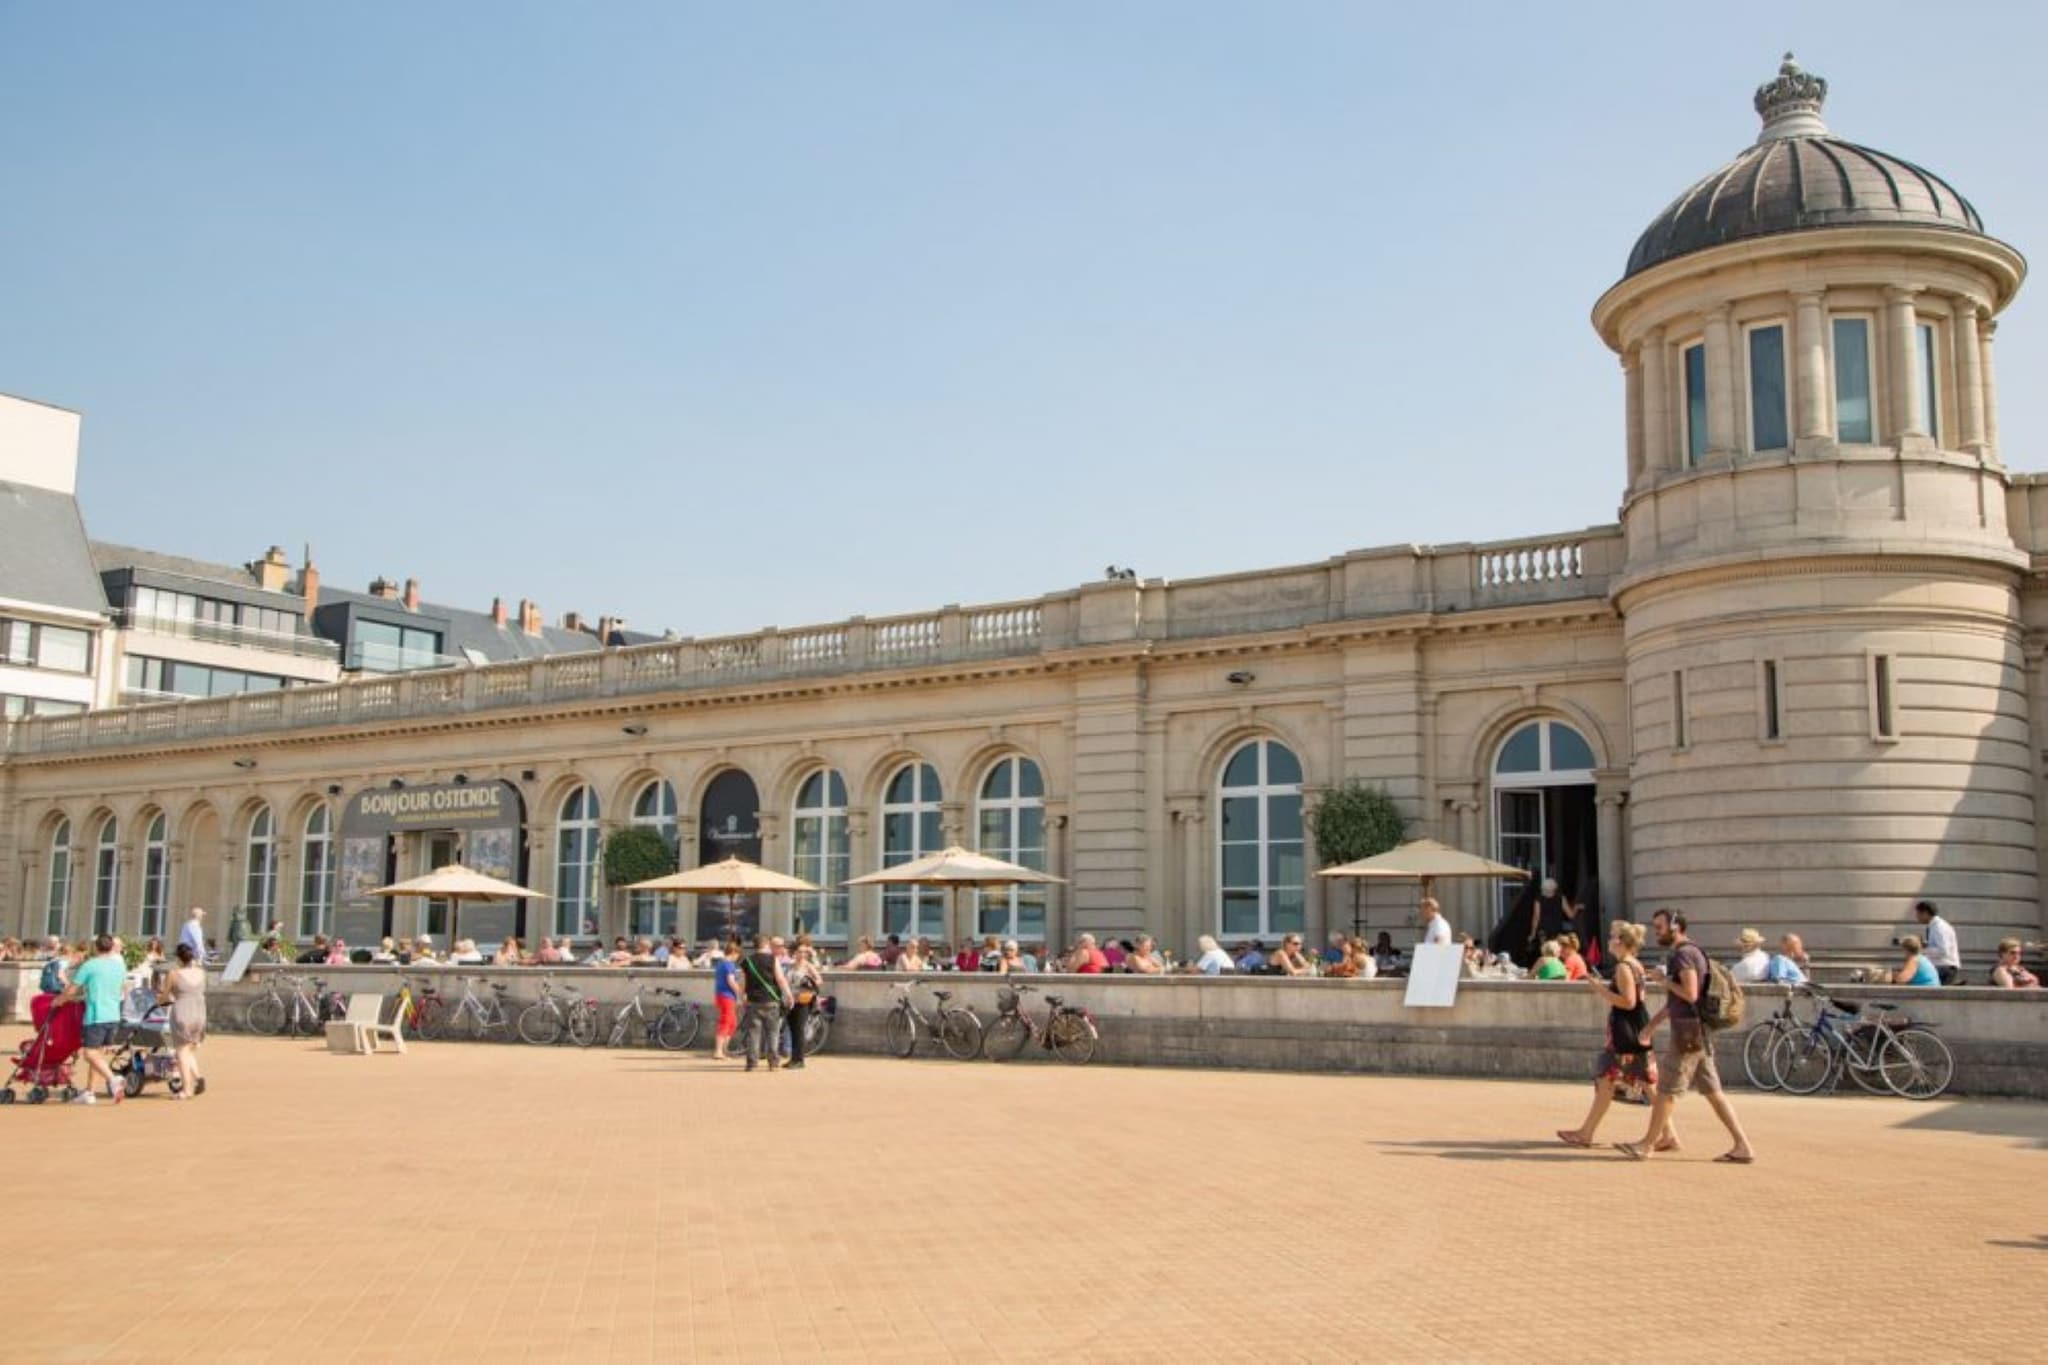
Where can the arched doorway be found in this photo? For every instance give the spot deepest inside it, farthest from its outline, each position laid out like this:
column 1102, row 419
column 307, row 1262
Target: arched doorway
column 729, row 826
column 1543, row 814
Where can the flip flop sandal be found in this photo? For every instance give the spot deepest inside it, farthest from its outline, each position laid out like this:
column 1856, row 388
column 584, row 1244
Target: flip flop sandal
column 1632, row 1150
column 1570, row 1139
column 1730, row 1159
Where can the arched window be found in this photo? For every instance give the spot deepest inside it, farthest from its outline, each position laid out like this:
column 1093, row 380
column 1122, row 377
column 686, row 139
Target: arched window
column 1543, row 806
column 1259, row 845
column 576, row 840
column 316, row 877
column 910, row 830
column 106, row 876
column 820, row 853
column 1010, row 819
column 259, row 899
column 652, row 913
column 156, row 876
column 58, row 919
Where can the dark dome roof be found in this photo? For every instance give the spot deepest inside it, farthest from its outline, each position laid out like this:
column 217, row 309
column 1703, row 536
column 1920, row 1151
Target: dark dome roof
column 1798, row 177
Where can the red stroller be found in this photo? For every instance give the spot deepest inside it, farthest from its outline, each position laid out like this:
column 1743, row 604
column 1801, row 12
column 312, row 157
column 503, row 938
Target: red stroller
column 44, row 1061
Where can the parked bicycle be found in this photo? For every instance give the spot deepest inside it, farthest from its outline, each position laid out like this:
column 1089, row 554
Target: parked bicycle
column 1758, row 1043
column 673, row 1028
column 474, row 1016
column 820, row 1027
column 955, row 1026
column 548, row 1019
column 292, row 1004
column 1069, row 1032
column 1880, row 1053
column 418, row 1014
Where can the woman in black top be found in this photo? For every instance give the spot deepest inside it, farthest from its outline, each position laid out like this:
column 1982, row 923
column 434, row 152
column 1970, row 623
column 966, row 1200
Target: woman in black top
column 1625, row 1069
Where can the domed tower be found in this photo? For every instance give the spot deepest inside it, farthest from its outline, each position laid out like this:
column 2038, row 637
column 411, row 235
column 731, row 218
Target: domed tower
column 1820, row 604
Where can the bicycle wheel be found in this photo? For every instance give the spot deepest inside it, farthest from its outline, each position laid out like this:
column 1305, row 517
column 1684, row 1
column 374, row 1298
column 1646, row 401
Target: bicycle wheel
column 816, row 1032
column 1074, row 1037
column 540, row 1024
column 582, row 1027
column 1917, row 1064
column 431, row 1020
column 459, row 1024
column 1803, row 1062
column 960, row 1034
column 1006, row 1038
column 899, row 1035
column 266, row 1015
column 1756, row 1053
column 494, row 1023
column 676, row 1029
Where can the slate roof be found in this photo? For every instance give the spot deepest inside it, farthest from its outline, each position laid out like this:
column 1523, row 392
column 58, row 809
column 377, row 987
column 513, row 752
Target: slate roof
column 45, row 557
column 465, row 629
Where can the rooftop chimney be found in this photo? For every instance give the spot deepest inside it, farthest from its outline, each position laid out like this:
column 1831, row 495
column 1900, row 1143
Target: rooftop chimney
column 608, row 629
column 498, row 612
column 273, row 571
column 309, row 586
column 412, row 594
column 384, row 588
column 572, row 621
column 529, row 616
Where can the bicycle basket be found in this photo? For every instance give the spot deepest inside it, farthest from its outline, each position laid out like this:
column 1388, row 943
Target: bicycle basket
column 1008, row 1000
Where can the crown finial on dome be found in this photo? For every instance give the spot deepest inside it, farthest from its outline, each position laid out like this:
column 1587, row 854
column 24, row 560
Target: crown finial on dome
column 1790, row 105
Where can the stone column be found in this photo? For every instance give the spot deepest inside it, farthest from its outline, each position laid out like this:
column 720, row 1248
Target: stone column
column 1607, row 832
column 1987, row 386
column 1721, row 439
column 688, row 921
column 1903, row 363
column 1659, row 454
column 1193, row 901
column 2037, row 715
column 863, row 915
column 539, row 916
column 778, row 909
column 1056, row 862
column 1473, row 914
column 1815, row 413
column 1632, row 421
column 1969, row 352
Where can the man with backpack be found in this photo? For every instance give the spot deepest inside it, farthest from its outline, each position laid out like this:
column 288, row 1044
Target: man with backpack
column 1698, row 998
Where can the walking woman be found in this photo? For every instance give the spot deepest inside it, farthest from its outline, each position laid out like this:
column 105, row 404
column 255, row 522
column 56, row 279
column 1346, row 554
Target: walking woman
column 185, row 991
column 806, row 984
column 1626, row 1068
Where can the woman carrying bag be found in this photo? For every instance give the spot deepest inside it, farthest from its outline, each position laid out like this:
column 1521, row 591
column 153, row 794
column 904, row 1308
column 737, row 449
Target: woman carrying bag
column 1626, row 1068
column 806, row 983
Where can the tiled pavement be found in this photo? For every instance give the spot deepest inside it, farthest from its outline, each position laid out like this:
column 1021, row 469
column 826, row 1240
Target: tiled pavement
column 510, row 1202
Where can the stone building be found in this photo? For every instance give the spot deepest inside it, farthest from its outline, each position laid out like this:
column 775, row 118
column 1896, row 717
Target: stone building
column 1797, row 685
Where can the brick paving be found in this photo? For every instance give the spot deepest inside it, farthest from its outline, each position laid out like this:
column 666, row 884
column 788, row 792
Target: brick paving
column 510, row 1202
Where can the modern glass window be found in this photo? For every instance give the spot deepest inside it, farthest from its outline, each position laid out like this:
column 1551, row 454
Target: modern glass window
column 1695, row 358
column 381, row 647
column 30, row 644
column 317, row 873
column 1010, row 820
column 910, row 830
column 576, row 846
column 1767, row 425
column 259, row 899
column 174, row 677
column 1928, row 377
column 1260, row 852
column 106, row 877
column 1853, row 424
column 14, row 708
column 161, row 606
column 57, row 901
column 156, row 876
column 821, row 852
column 651, row 913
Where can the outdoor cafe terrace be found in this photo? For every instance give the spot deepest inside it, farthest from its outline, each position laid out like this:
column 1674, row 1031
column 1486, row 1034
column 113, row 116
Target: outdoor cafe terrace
column 1384, row 588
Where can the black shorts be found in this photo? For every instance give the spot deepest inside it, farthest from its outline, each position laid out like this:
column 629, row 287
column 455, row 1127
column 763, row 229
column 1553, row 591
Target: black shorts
column 97, row 1036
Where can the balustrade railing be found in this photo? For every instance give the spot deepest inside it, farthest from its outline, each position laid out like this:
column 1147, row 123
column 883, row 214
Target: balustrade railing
column 1513, row 566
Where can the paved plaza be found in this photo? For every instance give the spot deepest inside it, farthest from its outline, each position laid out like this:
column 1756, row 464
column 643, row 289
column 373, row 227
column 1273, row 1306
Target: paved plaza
column 471, row 1201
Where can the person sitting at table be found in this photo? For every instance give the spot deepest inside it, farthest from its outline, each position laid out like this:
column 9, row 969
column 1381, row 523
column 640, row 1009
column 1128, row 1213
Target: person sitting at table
column 423, row 951
column 1574, row 965
column 1914, row 969
column 2009, row 974
column 386, row 951
column 1289, row 959
column 1788, row 965
column 1011, row 961
column 1550, row 962
column 1143, row 959
column 1384, row 954
column 1356, row 964
column 1251, row 956
column 507, row 954
column 865, row 958
column 912, row 958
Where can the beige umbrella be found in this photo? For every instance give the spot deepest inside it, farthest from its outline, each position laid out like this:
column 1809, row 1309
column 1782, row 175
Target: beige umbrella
column 455, row 882
column 1421, row 860
column 959, row 869
column 728, row 877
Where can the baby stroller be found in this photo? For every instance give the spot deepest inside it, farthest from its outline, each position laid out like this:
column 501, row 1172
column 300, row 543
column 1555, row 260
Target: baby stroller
column 144, row 1054
column 44, row 1061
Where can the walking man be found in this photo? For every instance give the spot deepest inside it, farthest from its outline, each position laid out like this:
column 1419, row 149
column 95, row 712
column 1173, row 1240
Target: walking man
column 97, row 981
column 1687, row 1060
column 768, row 994
column 1942, row 949
column 193, row 935
column 1435, row 928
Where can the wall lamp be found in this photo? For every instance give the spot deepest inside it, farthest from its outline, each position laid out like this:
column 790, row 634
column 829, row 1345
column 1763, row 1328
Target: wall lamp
column 334, row 789
column 245, row 763
column 635, row 729
column 1241, row 678
column 462, row 779
column 397, row 782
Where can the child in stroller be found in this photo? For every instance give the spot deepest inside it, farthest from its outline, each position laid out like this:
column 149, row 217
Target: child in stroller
column 44, row 1062
column 144, row 1054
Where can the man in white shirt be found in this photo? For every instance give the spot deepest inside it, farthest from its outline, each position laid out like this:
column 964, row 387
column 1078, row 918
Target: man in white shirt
column 1754, row 964
column 193, row 935
column 1435, row 928
column 1942, row 949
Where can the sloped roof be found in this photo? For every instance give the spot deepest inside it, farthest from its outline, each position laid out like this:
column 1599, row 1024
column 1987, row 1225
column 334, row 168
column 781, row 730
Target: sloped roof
column 45, row 557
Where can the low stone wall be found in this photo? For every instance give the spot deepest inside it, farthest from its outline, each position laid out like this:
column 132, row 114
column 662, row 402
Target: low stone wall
column 1515, row 1029
column 17, row 986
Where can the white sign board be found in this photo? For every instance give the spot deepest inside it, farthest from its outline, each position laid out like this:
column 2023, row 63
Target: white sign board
column 1433, row 971
column 238, row 965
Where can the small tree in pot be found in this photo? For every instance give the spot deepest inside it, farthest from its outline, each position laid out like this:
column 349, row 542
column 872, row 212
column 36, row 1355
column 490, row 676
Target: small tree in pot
column 1354, row 821
column 636, row 854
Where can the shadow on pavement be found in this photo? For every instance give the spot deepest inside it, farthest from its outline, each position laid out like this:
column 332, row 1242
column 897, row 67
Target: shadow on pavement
column 1502, row 1151
column 2040, row 1243
column 2025, row 1120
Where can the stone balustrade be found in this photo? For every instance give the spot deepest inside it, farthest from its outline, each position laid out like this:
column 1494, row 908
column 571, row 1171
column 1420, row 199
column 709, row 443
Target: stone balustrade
column 1367, row 584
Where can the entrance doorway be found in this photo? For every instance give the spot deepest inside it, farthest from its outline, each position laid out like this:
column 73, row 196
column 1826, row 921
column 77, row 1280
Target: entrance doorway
column 1543, row 813
column 437, row 850
column 729, row 826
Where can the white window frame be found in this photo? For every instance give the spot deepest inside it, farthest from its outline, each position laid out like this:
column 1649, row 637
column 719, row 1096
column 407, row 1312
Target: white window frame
column 106, row 877
column 830, row 910
column 647, row 911
column 926, row 906
column 1009, row 901
column 57, row 888
column 1263, row 791
column 576, row 897
column 1749, row 329
column 316, row 872
column 1928, row 372
column 156, row 875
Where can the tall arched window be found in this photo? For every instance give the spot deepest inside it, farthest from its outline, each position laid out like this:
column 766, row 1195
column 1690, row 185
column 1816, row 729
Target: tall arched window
column 259, row 898
column 1259, row 844
column 57, row 920
column 156, row 876
column 576, row 841
column 910, row 829
column 316, row 877
column 820, row 853
column 652, row 913
column 1010, row 819
column 1543, row 814
column 106, row 876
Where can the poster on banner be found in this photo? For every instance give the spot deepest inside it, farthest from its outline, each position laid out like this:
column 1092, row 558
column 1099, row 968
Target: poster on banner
column 1433, row 976
column 238, row 965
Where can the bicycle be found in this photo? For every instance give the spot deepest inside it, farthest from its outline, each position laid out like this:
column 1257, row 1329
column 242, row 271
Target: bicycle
column 1758, row 1043
column 288, row 1007
column 820, row 1026
column 1905, row 1059
column 547, row 1019
column 418, row 1014
column 474, row 1016
column 955, row 1026
column 674, row 1028
column 1069, row 1032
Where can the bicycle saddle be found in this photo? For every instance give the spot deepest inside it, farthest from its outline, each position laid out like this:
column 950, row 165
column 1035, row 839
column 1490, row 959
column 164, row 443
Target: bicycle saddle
column 1053, row 1000
column 1880, row 1008
column 663, row 990
column 498, row 986
column 942, row 995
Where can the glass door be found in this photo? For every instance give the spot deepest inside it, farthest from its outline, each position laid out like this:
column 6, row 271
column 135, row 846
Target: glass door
column 440, row 911
column 1518, row 816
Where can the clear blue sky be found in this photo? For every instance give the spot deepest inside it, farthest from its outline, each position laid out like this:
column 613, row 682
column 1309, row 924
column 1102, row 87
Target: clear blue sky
column 725, row 316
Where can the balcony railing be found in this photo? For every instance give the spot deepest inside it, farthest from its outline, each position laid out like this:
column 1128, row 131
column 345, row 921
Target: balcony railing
column 1402, row 581
column 228, row 633
column 366, row 656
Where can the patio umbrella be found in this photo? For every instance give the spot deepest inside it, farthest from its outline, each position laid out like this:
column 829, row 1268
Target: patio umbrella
column 958, row 869
column 454, row 882
column 1422, row 860
column 728, row 877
